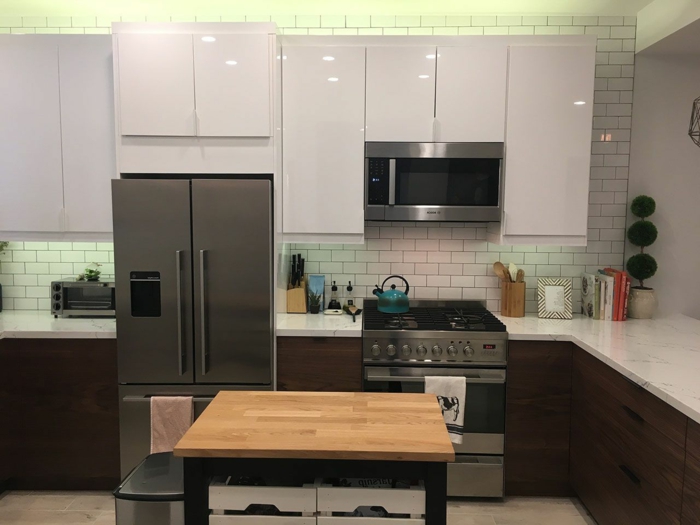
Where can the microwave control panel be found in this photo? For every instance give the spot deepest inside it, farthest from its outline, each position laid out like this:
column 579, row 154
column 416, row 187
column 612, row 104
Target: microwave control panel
column 377, row 181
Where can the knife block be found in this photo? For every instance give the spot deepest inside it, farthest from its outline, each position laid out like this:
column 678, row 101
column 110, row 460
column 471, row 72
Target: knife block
column 296, row 299
column 513, row 299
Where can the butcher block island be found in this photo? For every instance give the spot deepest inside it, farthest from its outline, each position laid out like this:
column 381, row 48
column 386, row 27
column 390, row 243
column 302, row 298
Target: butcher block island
column 320, row 436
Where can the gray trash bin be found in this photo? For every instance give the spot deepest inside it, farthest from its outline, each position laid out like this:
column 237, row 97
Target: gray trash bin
column 153, row 493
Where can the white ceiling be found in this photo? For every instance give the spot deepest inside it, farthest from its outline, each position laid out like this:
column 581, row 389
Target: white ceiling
column 155, row 7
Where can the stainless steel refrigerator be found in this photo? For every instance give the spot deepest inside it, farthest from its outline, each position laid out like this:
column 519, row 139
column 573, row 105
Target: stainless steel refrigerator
column 194, row 285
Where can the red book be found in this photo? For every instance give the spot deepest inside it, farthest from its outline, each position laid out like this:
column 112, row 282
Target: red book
column 628, row 285
column 617, row 292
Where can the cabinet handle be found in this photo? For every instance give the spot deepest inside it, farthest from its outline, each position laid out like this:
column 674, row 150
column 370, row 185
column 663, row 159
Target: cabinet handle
column 203, row 309
column 632, row 414
column 392, row 182
column 630, row 475
column 180, row 323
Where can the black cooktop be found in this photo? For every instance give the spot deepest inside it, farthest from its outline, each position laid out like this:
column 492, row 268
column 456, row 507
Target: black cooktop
column 443, row 318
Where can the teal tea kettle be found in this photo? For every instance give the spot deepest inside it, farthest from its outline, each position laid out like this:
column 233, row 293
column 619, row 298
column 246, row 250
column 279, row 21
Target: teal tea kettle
column 392, row 301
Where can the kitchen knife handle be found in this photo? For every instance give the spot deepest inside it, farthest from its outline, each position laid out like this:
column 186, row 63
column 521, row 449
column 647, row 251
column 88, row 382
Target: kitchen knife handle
column 203, row 309
column 180, row 324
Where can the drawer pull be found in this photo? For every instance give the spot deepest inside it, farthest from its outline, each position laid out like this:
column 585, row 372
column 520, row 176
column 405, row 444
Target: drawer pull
column 630, row 475
column 632, row 414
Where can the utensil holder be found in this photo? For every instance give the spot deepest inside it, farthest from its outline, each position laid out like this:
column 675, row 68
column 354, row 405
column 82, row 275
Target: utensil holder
column 296, row 299
column 513, row 299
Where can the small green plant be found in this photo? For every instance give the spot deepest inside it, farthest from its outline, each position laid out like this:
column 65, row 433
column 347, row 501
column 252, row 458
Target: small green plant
column 314, row 298
column 91, row 274
column 642, row 233
column 3, row 245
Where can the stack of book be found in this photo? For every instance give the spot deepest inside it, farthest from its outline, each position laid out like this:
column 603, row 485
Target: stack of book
column 604, row 294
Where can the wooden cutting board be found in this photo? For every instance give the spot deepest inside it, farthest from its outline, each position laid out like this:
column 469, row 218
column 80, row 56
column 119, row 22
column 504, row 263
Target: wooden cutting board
column 320, row 425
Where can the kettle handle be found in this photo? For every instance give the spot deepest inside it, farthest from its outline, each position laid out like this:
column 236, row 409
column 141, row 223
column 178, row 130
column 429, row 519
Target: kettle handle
column 398, row 277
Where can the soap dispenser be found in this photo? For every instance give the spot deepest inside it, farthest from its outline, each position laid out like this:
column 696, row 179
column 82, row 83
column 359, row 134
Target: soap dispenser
column 334, row 307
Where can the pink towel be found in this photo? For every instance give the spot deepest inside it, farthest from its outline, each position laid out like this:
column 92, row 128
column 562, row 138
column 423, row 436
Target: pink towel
column 171, row 417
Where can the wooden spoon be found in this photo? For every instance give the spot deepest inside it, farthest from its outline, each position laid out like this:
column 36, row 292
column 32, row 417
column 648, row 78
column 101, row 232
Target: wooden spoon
column 502, row 272
column 520, row 277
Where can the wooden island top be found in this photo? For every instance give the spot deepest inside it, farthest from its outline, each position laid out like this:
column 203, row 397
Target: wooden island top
column 320, row 425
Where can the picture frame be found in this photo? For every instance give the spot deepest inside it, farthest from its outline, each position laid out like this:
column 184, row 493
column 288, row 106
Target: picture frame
column 554, row 298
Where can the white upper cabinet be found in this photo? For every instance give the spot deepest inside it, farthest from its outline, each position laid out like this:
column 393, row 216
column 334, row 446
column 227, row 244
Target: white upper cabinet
column 232, row 85
column 87, row 122
column 30, row 135
column 470, row 101
column 401, row 94
column 323, row 134
column 156, row 84
column 548, row 143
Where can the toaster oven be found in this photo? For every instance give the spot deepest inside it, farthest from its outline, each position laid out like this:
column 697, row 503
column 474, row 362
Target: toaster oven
column 70, row 298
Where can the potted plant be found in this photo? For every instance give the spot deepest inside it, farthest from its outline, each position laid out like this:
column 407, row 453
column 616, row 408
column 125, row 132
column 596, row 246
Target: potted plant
column 642, row 266
column 3, row 245
column 91, row 274
column 314, row 302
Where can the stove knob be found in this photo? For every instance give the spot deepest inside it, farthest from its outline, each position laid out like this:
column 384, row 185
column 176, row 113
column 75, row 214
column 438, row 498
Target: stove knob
column 406, row 350
column 391, row 350
column 376, row 350
column 468, row 351
column 421, row 351
column 452, row 351
column 437, row 351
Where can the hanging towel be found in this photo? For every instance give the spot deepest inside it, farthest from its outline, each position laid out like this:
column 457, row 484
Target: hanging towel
column 171, row 417
column 452, row 395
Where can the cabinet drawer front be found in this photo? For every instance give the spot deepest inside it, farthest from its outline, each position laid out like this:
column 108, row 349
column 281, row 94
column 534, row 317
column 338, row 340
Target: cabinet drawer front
column 626, row 401
column 691, row 484
column 614, row 489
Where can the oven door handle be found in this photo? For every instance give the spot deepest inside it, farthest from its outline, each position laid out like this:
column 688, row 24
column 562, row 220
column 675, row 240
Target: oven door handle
column 410, row 379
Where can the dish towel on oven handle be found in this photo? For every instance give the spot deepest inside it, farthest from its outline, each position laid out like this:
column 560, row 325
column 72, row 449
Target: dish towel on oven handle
column 451, row 393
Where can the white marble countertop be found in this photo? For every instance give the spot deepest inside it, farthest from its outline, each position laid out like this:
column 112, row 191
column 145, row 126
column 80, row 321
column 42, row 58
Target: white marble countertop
column 318, row 325
column 661, row 355
column 42, row 325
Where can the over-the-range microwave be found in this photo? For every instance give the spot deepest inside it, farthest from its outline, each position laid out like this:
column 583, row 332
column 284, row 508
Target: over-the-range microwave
column 433, row 181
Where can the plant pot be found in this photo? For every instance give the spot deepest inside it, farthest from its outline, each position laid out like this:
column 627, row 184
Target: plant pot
column 642, row 303
column 315, row 308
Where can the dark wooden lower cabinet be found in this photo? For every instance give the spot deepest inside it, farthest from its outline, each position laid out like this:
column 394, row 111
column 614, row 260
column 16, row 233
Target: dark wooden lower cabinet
column 59, row 413
column 691, row 485
column 627, row 448
column 316, row 364
column 538, row 399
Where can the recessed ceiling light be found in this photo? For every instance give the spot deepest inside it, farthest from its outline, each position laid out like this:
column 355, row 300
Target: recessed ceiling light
column 580, row 103
column 329, row 59
column 333, row 79
column 208, row 39
column 231, row 62
column 423, row 76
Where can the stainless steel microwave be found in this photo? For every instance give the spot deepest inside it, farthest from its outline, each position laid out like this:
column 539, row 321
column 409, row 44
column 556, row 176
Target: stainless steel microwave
column 70, row 298
column 433, row 181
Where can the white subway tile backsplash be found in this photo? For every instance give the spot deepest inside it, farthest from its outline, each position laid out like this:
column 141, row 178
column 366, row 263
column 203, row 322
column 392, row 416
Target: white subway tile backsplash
column 450, row 269
column 403, row 245
column 439, row 257
column 402, row 268
column 367, row 256
column 354, row 267
column 439, row 233
column 343, row 256
column 415, row 257
column 449, row 293
column 380, row 268
column 390, row 257
column 427, row 268
column 451, row 245
column 462, row 281
column 463, row 257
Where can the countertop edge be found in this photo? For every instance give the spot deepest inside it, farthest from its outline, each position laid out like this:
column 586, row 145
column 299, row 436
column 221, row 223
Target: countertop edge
column 56, row 334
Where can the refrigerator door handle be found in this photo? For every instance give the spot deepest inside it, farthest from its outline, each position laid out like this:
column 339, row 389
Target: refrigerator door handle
column 203, row 309
column 180, row 324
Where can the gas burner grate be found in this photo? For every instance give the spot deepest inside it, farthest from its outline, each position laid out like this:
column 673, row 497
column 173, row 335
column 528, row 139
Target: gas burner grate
column 433, row 318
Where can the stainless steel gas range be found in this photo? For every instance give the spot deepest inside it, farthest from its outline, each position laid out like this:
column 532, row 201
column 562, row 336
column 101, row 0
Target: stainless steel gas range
column 447, row 338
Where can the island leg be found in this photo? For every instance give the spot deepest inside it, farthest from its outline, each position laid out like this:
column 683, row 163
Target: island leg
column 196, row 492
column 435, row 494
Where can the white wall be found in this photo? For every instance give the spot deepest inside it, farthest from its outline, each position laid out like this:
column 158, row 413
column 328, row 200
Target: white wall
column 665, row 164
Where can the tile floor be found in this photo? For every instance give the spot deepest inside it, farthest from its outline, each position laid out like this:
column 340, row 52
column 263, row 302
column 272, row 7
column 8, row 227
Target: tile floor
column 78, row 508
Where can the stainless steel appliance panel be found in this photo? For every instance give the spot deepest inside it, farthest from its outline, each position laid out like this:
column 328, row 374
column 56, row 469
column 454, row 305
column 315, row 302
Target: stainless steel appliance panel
column 152, row 235
column 476, row 477
column 232, row 241
column 135, row 415
column 435, row 150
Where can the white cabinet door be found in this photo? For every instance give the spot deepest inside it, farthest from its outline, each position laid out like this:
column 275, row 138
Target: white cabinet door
column 400, row 94
column 548, row 140
column 156, row 84
column 323, row 156
column 87, row 122
column 470, row 104
column 30, row 135
column 232, row 85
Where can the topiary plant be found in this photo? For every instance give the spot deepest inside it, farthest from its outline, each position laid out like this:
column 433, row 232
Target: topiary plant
column 642, row 233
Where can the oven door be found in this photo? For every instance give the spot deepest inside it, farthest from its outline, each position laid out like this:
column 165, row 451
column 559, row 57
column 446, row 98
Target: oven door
column 434, row 181
column 484, row 417
column 88, row 300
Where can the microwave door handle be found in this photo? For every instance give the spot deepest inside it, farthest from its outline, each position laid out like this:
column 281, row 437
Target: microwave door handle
column 392, row 182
